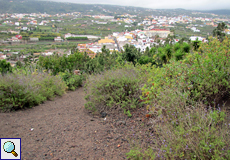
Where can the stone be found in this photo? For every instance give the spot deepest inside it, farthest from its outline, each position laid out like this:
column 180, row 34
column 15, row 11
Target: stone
column 121, row 122
column 103, row 114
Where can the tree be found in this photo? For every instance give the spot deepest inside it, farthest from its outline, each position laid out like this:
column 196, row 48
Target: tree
column 196, row 44
column 131, row 54
column 147, row 52
column 5, row 67
column 19, row 64
column 152, row 51
column 219, row 31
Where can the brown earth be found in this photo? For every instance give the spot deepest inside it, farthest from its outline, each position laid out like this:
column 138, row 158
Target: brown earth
column 63, row 129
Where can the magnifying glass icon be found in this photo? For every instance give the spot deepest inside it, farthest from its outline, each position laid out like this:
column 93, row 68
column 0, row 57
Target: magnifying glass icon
column 9, row 147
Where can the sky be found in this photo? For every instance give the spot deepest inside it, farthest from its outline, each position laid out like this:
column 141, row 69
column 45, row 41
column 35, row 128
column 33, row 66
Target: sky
column 162, row 4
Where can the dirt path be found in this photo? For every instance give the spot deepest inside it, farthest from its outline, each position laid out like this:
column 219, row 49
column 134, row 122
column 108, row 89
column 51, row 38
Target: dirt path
column 63, row 129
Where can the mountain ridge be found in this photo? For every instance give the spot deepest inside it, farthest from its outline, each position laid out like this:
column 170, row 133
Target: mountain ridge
column 51, row 7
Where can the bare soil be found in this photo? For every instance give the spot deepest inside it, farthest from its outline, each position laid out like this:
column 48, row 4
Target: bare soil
column 63, row 129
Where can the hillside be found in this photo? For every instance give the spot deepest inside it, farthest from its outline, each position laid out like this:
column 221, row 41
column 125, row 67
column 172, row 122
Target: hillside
column 36, row 6
column 218, row 12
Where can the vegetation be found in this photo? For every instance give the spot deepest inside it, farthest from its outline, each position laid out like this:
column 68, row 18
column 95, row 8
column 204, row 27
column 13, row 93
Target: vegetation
column 46, row 38
column 57, row 64
column 27, row 88
column 204, row 74
column 219, row 31
column 77, row 38
column 125, row 83
column 178, row 95
column 71, row 80
column 184, row 131
column 180, row 84
column 5, row 67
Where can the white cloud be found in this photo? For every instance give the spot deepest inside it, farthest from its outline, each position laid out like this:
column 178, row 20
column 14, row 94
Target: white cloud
column 162, row 4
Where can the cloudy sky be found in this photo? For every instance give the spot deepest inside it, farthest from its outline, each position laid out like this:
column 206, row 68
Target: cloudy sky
column 162, row 4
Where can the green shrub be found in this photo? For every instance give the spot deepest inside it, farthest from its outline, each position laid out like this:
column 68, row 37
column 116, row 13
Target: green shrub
column 46, row 38
column 177, row 47
column 72, row 81
column 114, row 89
column 77, row 38
column 177, row 96
column 145, row 60
column 57, row 64
column 183, row 131
column 189, row 132
column 139, row 154
column 204, row 75
column 5, row 67
column 179, row 55
column 168, row 51
column 186, row 47
column 21, row 90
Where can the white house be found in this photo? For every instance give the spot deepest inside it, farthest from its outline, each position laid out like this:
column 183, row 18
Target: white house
column 2, row 56
column 47, row 53
column 194, row 38
column 58, row 39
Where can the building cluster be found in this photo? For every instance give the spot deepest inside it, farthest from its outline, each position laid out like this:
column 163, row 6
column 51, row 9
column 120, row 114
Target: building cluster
column 151, row 35
column 116, row 42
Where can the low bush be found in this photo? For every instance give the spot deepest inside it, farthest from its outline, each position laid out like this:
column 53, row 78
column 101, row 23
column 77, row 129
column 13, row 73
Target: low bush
column 204, row 74
column 72, row 81
column 186, row 47
column 145, row 60
column 21, row 90
column 114, row 89
column 184, row 131
column 182, row 96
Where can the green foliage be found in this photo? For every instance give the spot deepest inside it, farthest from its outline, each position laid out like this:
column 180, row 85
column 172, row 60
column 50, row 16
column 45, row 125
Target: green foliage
column 21, row 90
column 145, row 60
column 46, row 38
column 186, row 47
column 58, row 64
column 219, row 31
column 161, row 54
column 140, row 154
column 19, row 64
column 124, row 84
column 196, row 44
column 204, row 75
column 5, row 67
column 177, row 96
column 71, row 80
column 131, row 54
column 168, row 51
column 179, row 55
column 77, row 38
column 177, row 47
column 152, row 51
column 189, row 131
